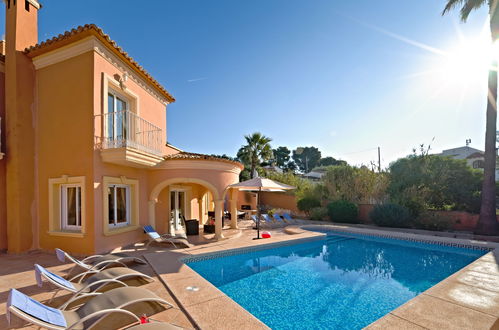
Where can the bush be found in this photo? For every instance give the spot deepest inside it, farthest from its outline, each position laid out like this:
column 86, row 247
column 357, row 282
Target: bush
column 343, row 211
column 434, row 182
column 308, row 203
column 318, row 213
column 433, row 221
column 354, row 184
column 391, row 215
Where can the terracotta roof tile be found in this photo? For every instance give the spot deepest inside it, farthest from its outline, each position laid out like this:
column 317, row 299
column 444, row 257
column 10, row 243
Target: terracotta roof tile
column 92, row 28
column 191, row 155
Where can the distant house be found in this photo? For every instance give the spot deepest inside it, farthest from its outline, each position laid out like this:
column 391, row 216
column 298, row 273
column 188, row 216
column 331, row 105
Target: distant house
column 474, row 157
column 315, row 175
column 273, row 168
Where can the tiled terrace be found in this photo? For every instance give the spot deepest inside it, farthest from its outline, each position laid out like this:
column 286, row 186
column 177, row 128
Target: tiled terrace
column 469, row 299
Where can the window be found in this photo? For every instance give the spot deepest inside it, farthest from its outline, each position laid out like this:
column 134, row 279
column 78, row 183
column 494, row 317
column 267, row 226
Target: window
column 70, row 207
column 120, row 200
column 117, row 119
column 118, row 197
column 478, row 164
column 67, row 206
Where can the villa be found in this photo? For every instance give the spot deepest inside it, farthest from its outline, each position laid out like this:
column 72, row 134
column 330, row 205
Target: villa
column 86, row 168
column 84, row 156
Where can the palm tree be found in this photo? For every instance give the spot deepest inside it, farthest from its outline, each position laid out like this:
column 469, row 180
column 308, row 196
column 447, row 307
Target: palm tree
column 255, row 151
column 487, row 222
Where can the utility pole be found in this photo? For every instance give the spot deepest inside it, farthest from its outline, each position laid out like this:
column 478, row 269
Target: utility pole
column 379, row 160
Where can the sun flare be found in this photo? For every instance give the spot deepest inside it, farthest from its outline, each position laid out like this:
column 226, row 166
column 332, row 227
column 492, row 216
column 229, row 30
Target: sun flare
column 467, row 62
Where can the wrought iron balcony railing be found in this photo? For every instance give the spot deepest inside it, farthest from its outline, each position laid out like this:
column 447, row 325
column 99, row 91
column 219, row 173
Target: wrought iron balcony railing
column 124, row 129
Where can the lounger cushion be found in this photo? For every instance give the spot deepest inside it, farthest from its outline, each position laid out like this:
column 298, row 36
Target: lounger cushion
column 115, row 298
column 39, row 270
column 155, row 326
column 36, row 309
column 153, row 235
column 121, row 273
column 61, row 255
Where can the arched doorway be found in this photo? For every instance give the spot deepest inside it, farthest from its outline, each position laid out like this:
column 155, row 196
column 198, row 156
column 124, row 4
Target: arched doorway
column 173, row 200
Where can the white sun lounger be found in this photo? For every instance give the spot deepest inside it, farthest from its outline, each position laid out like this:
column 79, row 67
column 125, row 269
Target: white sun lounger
column 87, row 315
column 99, row 282
column 154, row 237
column 98, row 261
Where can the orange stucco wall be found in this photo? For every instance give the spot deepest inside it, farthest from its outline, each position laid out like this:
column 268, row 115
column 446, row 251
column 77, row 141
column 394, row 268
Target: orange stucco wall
column 280, row 200
column 61, row 134
column 20, row 32
column 64, row 141
column 3, row 206
column 246, row 198
column 150, row 109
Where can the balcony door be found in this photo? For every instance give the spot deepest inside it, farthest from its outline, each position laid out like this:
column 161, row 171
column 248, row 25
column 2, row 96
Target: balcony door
column 117, row 123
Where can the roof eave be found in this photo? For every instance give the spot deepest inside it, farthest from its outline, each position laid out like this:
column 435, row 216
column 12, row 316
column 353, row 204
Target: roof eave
column 82, row 32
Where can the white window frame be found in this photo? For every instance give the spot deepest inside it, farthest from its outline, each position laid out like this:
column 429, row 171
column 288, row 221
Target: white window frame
column 115, row 224
column 64, row 207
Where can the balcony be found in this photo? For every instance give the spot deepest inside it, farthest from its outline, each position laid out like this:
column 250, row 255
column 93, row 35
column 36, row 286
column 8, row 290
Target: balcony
column 127, row 139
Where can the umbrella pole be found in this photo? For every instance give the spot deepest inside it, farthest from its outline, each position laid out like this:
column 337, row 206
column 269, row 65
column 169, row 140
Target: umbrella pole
column 258, row 214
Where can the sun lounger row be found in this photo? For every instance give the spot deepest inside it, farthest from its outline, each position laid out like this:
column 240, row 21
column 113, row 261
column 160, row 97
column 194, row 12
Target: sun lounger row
column 284, row 219
column 101, row 290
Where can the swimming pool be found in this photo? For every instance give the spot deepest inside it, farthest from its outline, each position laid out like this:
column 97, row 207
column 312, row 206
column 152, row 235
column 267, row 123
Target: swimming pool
column 344, row 281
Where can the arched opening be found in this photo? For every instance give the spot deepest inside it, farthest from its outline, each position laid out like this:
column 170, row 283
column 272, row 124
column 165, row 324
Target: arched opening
column 174, row 200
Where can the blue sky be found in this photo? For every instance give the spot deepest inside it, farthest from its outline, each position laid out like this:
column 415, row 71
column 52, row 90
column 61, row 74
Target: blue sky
column 345, row 76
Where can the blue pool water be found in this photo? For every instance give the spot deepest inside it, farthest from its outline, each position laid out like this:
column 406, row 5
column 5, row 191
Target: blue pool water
column 336, row 283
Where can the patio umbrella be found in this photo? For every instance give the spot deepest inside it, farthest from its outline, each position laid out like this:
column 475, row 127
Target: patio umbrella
column 259, row 184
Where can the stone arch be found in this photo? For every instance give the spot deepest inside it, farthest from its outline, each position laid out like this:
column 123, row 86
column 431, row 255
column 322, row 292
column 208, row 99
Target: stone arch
column 153, row 196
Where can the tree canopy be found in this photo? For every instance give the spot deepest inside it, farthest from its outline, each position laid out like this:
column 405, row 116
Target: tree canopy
column 256, row 150
column 306, row 158
column 430, row 181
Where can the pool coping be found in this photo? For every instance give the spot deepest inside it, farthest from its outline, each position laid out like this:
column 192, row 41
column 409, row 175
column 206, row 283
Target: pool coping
column 206, row 306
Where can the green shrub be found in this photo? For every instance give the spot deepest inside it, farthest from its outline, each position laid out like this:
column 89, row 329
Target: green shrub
column 307, row 203
column 343, row 211
column 391, row 215
column 421, row 182
column 433, row 221
column 318, row 213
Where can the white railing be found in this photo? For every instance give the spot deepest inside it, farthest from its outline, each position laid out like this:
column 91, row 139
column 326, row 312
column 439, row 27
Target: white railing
column 125, row 129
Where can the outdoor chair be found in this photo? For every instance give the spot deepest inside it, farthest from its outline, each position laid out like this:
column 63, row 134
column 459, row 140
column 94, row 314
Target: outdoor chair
column 278, row 219
column 154, row 237
column 97, row 262
column 268, row 220
column 263, row 223
column 102, row 281
column 91, row 313
column 288, row 218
